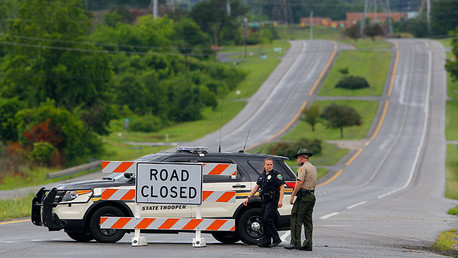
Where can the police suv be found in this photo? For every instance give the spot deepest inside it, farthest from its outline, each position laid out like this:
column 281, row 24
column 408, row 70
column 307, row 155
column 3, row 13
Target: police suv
column 76, row 207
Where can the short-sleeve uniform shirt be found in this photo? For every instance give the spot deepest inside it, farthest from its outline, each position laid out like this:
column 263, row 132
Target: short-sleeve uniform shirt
column 308, row 175
column 270, row 182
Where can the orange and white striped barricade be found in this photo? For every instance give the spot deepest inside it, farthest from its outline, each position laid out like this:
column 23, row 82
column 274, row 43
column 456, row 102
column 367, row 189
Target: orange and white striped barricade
column 159, row 182
column 167, row 223
column 220, row 169
column 124, row 194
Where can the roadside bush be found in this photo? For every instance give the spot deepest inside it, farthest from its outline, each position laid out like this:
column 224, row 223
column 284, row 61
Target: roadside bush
column 42, row 153
column 146, row 124
column 352, row 82
column 57, row 126
column 289, row 149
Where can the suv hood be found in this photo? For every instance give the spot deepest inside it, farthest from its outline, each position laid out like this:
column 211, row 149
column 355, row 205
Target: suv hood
column 89, row 184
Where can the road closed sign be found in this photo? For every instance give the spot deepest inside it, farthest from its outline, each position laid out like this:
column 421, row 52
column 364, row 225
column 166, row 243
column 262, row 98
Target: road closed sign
column 170, row 183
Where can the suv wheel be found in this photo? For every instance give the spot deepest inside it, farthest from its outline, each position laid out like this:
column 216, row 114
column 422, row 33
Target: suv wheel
column 249, row 226
column 106, row 235
column 226, row 237
column 80, row 237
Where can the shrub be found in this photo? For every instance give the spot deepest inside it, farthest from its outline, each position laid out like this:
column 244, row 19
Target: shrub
column 352, row 82
column 146, row 124
column 42, row 153
column 289, row 149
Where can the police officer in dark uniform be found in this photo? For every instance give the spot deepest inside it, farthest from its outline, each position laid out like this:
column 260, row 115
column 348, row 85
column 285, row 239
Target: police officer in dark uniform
column 271, row 189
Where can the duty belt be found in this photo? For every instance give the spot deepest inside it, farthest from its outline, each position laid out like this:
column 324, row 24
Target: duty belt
column 306, row 191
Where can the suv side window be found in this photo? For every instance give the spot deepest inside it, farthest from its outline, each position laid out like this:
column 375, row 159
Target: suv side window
column 215, row 178
column 279, row 165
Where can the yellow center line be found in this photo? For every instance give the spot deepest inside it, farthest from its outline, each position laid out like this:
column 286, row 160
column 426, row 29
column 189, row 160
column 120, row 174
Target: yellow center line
column 354, row 157
column 381, row 119
column 394, row 68
column 331, row 179
column 324, row 70
column 14, row 221
column 302, row 106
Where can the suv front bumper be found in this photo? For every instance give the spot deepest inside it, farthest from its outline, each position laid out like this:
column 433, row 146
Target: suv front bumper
column 42, row 205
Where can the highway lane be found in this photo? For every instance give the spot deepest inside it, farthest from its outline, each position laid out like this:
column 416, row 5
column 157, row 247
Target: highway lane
column 392, row 192
column 354, row 216
column 278, row 102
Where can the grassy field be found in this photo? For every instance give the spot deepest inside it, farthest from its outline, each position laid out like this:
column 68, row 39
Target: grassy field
column 294, row 32
column 16, row 208
column 372, row 65
column 366, row 109
column 446, row 42
column 451, row 190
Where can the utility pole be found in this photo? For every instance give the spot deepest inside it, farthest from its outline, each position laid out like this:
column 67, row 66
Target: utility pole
column 428, row 13
column 245, row 20
column 153, row 4
column 260, row 20
column 311, row 25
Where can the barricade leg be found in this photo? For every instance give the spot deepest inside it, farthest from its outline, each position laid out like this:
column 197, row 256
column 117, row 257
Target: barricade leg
column 138, row 240
column 198, row 241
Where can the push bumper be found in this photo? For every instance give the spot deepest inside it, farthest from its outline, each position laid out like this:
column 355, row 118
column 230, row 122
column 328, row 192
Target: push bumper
column 42, row 205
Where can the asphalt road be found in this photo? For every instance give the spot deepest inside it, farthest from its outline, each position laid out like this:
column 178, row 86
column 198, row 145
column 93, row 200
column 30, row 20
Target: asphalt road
column 386, row 200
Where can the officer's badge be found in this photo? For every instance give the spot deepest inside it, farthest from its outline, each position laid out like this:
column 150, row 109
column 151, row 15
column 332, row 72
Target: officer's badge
column 268, row 177
column 279, row 177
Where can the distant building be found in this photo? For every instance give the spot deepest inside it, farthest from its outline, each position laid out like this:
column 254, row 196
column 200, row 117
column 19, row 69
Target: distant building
column 352, row 19
column 375, row 17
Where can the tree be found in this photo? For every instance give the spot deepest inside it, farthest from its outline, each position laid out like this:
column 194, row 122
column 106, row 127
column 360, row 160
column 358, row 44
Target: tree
column 452, row 65
column 443, row 16
column 373, row 31
column 339, row 116
column 352, row 82
column 311, row 115
column 217, row 20
column 354, row 32
column 49, row 58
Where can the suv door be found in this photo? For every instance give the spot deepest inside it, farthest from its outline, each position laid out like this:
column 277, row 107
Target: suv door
column 241, row 184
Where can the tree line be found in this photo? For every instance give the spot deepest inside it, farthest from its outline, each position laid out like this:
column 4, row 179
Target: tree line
column 64, row 78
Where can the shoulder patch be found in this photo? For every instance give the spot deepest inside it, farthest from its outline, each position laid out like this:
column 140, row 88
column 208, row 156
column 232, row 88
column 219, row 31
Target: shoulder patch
column 279, row 177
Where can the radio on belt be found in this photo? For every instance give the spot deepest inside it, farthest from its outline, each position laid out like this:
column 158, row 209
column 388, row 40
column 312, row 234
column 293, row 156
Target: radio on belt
column 170, row 183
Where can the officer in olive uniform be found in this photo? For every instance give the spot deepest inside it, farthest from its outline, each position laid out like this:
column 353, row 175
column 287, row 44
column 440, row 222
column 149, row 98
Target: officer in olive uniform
column 302, row 210
column 271, row 189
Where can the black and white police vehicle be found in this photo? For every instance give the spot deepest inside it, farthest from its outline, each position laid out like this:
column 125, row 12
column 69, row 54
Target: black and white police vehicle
column 76, row 207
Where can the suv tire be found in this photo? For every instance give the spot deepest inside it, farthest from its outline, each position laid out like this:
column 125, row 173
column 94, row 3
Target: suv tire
column 226, row 237
column 106, row 235
column 80, row 237
column 249, row 226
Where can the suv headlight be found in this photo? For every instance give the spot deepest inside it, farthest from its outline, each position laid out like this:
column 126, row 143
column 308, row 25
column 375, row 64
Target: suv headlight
column 75, row 196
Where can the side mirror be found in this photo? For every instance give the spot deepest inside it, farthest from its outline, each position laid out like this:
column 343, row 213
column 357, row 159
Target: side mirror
column 128, row 175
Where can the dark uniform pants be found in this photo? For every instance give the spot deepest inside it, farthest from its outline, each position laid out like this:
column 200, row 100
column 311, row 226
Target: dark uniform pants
column 269, row 210
column 302, row 214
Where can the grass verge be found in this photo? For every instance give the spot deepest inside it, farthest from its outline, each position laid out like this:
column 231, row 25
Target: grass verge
column 446, row 242
column 16, row 208
column 451, row 167
column 372, row 65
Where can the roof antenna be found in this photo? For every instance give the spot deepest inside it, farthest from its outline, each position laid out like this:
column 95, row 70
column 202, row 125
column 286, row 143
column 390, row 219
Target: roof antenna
column 263, row 147
column 246, row 141
column 220, row 125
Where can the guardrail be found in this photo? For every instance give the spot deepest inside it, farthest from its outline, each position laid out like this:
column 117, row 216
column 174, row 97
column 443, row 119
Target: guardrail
column 73, row 170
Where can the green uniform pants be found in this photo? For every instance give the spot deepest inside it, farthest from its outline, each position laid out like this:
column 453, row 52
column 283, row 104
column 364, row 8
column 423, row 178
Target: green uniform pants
column 302, row 214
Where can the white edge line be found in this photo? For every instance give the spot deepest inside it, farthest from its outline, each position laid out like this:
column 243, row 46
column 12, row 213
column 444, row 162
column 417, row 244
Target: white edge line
column 417, row 156
column 356, row 205
column 329, row 215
